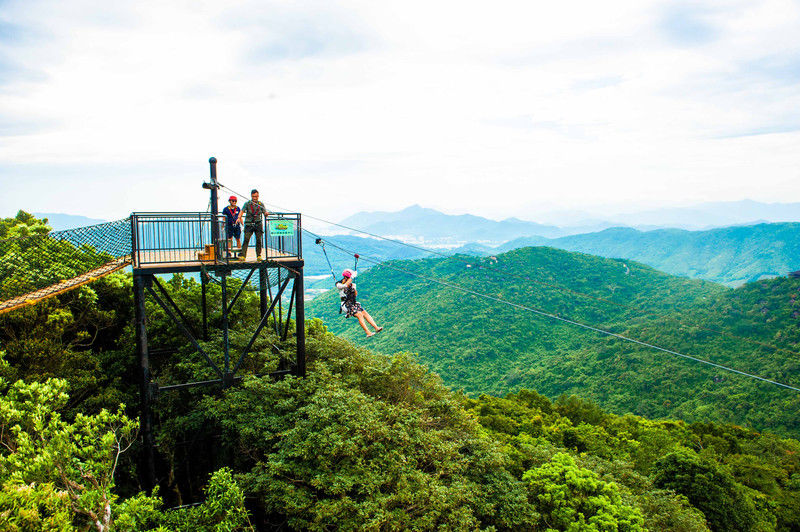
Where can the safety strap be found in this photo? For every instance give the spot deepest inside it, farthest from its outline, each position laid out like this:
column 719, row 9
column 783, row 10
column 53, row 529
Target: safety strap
column 321, row 243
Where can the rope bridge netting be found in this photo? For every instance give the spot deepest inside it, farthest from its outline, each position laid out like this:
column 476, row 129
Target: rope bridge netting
column 34, row 267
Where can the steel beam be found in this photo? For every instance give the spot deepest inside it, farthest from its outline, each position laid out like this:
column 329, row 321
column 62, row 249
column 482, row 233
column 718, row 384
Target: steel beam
column 146, row 416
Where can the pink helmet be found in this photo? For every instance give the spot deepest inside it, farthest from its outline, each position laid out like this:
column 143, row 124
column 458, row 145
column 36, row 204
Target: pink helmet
column 347, row 274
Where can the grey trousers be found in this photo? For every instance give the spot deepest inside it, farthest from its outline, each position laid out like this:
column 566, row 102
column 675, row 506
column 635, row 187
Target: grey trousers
column 249, row 230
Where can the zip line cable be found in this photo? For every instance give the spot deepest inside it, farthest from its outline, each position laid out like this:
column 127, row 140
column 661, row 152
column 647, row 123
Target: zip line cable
column 555, row 286
column 537, row 281
column 565, row 320
column 530, row 309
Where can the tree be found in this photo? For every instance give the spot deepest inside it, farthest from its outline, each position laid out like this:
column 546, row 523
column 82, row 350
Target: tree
column 709, row 488
column 56, row 472
column 56, row 475
column 575, row 499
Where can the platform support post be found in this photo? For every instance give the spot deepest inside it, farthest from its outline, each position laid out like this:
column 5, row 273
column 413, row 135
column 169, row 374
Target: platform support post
column 300, row 322
column 203, row 288
column 262, row 289
column 279, row 308
column 146, row 416
column 226, row 374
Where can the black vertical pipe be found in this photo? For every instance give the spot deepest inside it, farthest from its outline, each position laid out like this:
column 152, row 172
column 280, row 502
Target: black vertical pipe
column 225, row 345
column 262, row 288
column 279, row 321
column 146, row 414
column 214, row 205
column 300, row 322
column 134, row 244
column 203, row 288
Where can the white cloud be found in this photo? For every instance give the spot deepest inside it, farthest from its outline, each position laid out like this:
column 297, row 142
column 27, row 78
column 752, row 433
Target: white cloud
column 338, row 107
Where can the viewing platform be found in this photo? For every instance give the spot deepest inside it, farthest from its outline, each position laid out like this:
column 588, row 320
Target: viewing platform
column 198, row 242
column 173, row 242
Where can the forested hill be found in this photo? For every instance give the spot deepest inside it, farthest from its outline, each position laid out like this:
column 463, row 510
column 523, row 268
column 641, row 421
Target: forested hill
column 365, row 441
column 730, row 255
column 484, row 346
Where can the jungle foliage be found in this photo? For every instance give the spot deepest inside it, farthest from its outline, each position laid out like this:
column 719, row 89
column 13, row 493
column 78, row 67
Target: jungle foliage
column 365, row 442
column 484, row 346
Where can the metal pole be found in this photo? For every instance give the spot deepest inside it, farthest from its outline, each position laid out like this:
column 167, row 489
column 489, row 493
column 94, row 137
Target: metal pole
column 262, row 285
column 279, row 321
column 214, row 201
column 134, row 246
column 203, row 287
column 225, row 345
column 300, row 322
column 146, row 415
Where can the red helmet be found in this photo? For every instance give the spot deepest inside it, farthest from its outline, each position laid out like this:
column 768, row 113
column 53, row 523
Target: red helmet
column 232, row 198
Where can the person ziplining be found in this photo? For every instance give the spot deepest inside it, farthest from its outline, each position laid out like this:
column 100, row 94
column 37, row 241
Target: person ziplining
column 348, row 293
column 350, row 306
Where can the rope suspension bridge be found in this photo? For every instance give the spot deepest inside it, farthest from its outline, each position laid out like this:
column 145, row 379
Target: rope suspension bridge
column 36, row 267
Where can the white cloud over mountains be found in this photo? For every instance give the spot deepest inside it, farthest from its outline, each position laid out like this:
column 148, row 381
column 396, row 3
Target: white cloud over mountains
column 337, row 107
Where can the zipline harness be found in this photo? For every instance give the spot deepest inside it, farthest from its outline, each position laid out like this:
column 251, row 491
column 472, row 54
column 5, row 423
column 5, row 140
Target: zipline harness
column 355, row 268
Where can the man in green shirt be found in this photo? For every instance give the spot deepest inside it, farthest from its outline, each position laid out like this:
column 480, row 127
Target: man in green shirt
column 252, row 212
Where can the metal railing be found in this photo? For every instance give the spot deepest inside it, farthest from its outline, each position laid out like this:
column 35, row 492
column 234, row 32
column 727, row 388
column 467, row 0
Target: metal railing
column 181, row 237
column 175, row 237
column 282, row 236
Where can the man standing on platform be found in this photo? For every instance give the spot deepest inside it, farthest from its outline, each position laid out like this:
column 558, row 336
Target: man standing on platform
column 232, row 229
column 252, row 212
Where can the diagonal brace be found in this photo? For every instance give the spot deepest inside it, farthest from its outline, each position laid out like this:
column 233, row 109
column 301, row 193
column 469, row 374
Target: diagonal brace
column 183, row 329
column 289, row 313
column 174, row 306
column 246, row 280
column 261, row 324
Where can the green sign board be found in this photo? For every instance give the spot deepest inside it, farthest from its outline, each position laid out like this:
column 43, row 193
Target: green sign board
column 281, row 228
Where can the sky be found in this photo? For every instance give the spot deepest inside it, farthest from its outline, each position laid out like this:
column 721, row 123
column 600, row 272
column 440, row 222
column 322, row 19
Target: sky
column 493, row 108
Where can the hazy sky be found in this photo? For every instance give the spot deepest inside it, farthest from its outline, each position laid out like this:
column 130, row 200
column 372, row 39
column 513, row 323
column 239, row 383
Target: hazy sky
column 495, row 108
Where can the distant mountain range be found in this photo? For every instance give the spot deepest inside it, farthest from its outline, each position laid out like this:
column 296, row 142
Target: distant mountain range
column 59, row 221
column 729, row 255
column 699, row 216
column 430, row 226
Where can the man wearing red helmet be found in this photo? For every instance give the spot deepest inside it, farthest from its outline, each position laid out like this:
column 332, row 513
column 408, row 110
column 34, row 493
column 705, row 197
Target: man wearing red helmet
column 232, row 228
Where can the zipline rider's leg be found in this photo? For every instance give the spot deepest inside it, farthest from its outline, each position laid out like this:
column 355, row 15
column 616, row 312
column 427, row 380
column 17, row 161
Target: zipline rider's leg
column 360, row 316
column 370, row 320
